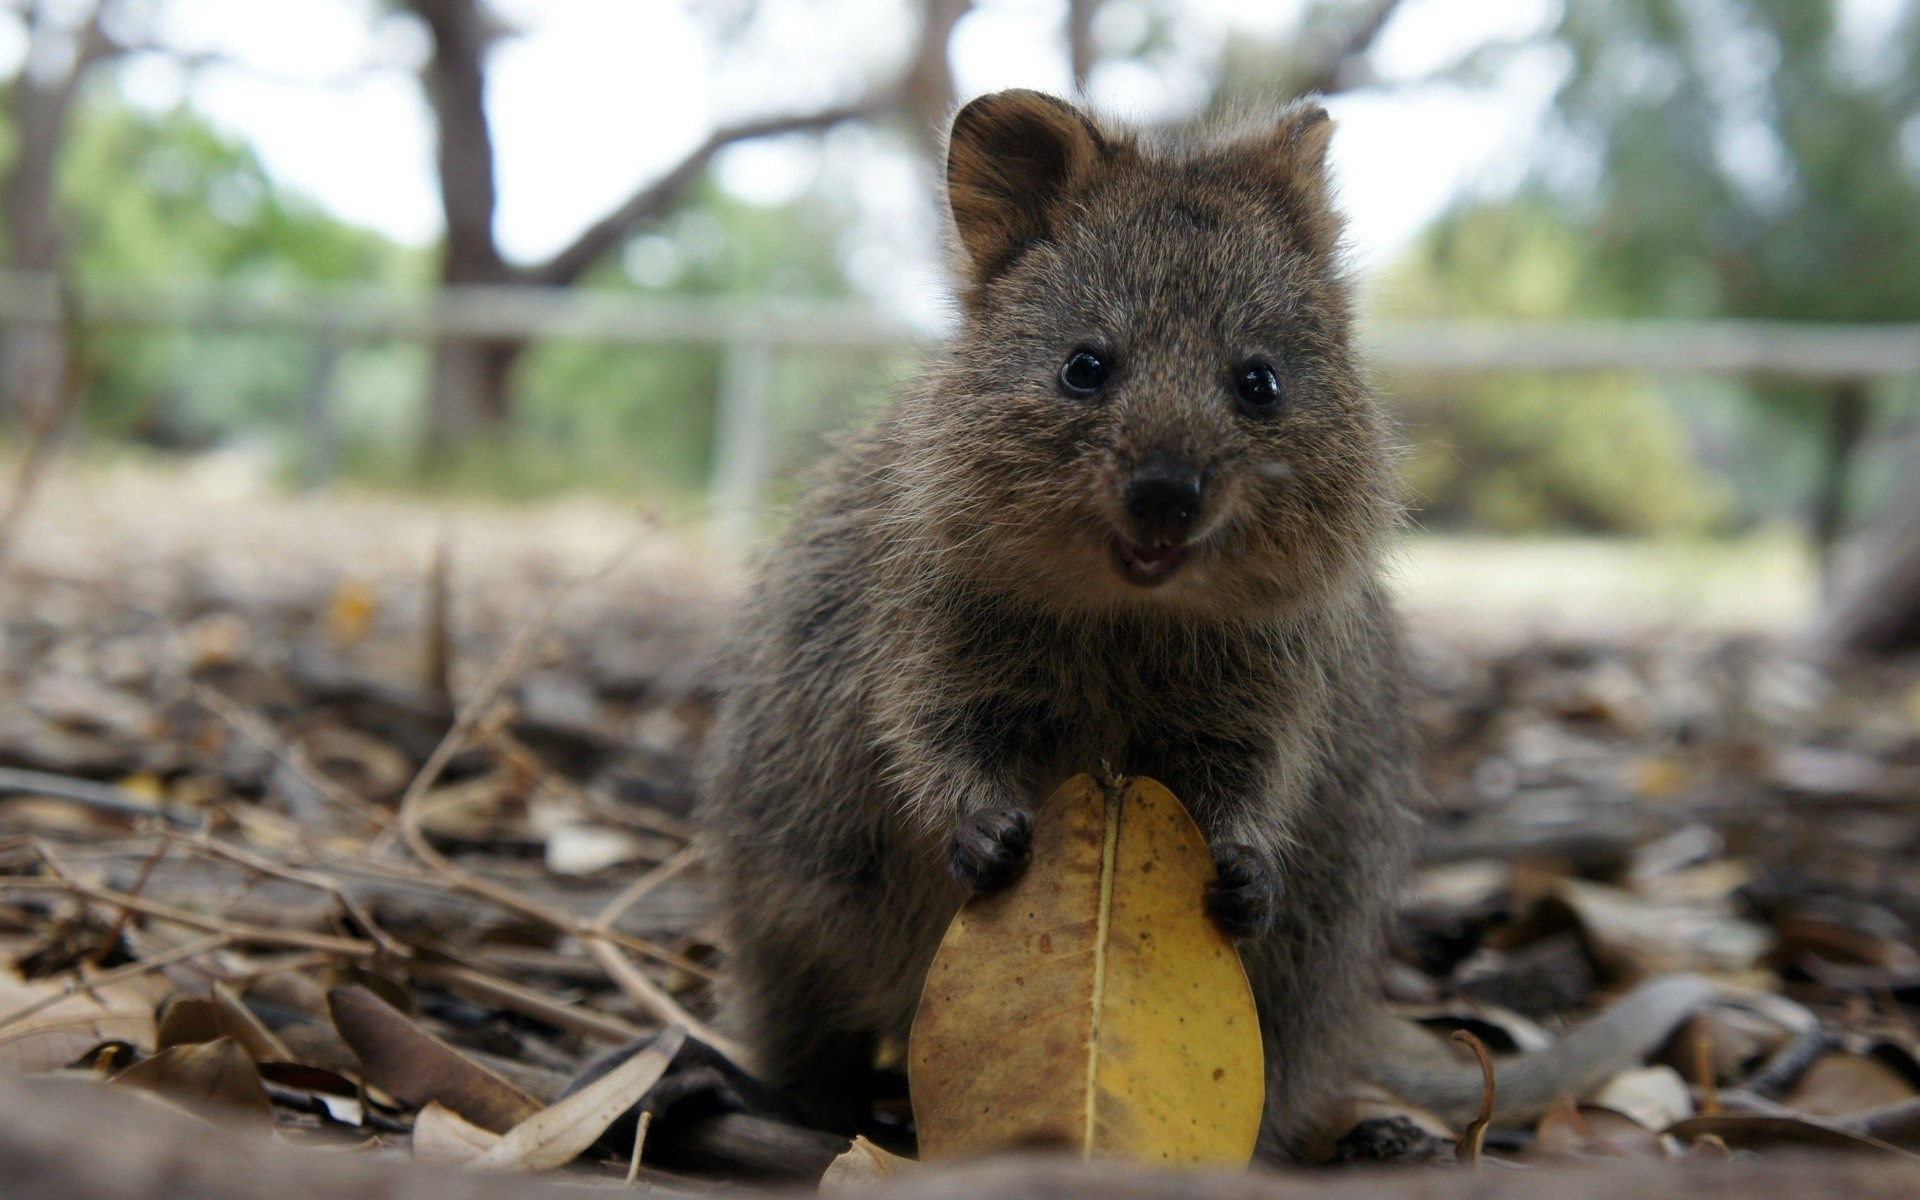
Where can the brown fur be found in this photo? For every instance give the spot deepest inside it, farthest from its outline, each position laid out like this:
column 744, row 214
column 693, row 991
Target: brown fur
column 943, row 629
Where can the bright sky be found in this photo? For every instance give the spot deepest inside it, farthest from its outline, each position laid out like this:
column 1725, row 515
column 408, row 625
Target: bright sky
column 597, row 96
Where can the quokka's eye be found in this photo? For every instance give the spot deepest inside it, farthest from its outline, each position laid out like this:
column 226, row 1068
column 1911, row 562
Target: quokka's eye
column 1258, row 387
column 1084, row 373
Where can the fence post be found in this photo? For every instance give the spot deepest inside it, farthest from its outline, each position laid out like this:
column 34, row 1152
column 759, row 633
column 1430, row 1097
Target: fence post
column 322, row 450
column 1846, row 426
column 742, row 438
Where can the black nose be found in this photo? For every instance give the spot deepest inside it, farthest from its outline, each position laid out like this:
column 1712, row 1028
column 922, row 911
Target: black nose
column 1164, row 497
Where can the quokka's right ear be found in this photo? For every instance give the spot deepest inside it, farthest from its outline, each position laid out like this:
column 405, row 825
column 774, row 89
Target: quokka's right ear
column 1013, row 159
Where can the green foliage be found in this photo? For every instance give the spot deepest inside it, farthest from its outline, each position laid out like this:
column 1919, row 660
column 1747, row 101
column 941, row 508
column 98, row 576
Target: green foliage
column 163, row 198
column 1739, row 158
column 1523, row 453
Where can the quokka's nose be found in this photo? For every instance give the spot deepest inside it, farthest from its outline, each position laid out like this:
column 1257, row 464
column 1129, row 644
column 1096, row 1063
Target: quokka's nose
column 1164, row 498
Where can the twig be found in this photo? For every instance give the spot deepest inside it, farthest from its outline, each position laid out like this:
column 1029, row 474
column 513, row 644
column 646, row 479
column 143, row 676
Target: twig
column 639, row 888
column 120, row 974
column 265, row 866
column 239, row 931
column 438, row 665
column 103, row 796
column 477, row 705
column 47, row 424
column 639, row 1146
column 1475, row 1137
column 524, row 1000
column 1704, row 1074
column 125, row 916
column 653, row 999
column 258, row 730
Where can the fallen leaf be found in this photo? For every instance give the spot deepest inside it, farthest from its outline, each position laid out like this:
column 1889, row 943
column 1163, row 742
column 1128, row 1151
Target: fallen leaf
column 1589, row 1131
column 1634, row 937
column 351, row 610
column 216, row 1074
column 1654, row 1097
column 1758, row 1131
column 862, row 1167
column 1094, row 1004
column 558, row 1135
column 413, row 1066
column 441, row 1135
column 72, row 1025
column 1839, row 1085
column 193, row 1019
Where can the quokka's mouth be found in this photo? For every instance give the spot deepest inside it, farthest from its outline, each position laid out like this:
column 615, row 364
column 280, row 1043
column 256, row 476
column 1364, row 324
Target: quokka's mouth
column 1147, row 566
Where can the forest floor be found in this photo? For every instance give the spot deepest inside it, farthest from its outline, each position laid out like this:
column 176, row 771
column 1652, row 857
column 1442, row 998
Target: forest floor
column 287, row 782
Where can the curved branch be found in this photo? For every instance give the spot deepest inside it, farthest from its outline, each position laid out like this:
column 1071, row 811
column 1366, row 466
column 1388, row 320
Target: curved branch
column 656, row 197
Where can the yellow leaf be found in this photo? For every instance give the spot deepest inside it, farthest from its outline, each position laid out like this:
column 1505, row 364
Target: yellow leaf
column 351, row 610
column 1094, row 1005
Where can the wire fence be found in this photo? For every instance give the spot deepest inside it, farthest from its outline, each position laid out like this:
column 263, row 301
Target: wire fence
column 751, row 334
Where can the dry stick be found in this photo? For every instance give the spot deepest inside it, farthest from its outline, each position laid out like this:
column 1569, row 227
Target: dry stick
column 1475, row 1136
column 639, row 1145
column 633, row 815
column 125, row 916
column 239, row 931
column 654, row 999
column 1705, row 1076
column 46, row 426
column 266, row 866
column 639, row 888
column 625, row 975
column 504, row 992
column 476, row 707
column 120, row 974
column 438, row 665
column 105, row 797
column 258, row 730
column 650, row 996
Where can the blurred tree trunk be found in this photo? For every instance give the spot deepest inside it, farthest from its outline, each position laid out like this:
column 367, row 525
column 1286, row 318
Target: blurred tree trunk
column 472, row 378
column 1080, row 49
column 1876, row 606
column 33, row 357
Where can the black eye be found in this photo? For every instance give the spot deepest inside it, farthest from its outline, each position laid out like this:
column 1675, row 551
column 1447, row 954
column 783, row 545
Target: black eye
column 1258, row 386
column 1083, row 373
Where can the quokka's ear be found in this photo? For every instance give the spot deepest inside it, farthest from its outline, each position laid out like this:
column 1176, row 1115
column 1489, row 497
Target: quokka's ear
column 1293, row 164
column 1012, row 160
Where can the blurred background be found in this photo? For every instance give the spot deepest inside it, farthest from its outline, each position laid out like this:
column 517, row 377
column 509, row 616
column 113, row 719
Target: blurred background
column 1635, row 271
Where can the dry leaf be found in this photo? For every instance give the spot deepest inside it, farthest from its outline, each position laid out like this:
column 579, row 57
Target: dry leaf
column 443, row 1136
column 351, row 610
column 1590, row 1131
column 1094, row 1004
column 413, row 1066
column 560, row 1134
column 1839, row 1085
column 216, row 1074
column 64, row 1031
column 860, row 1168
column 1636, row 937
column 1757, row 1131
column 1655, row 1097
column 193, row 1019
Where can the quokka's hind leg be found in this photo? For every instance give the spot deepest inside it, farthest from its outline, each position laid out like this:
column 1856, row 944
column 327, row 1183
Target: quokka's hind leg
column 816, row 1064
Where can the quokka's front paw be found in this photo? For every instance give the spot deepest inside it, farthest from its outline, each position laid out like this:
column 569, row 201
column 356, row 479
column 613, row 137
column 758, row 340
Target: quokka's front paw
column 990, row 849
column 1245, row 895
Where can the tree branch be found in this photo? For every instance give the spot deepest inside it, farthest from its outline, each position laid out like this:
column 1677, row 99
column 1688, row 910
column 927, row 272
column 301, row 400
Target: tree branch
column 566, row 267
column 1334, row 65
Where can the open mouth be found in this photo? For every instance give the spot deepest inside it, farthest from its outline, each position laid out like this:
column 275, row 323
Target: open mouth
column 1147, row 566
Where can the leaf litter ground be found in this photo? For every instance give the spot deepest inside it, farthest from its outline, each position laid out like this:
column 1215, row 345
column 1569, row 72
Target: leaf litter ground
column 381, row 845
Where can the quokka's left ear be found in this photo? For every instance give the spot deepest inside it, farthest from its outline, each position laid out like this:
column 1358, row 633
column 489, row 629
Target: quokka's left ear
column 1292, row 161
column 1013, row 159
